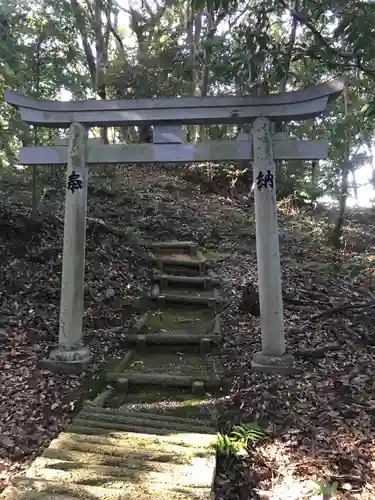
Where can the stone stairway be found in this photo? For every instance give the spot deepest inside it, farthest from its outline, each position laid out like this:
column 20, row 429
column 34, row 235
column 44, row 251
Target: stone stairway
column 150, row 435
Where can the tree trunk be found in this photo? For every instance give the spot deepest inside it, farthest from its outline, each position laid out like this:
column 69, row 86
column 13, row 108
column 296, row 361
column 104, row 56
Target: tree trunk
column 194, row 28
column 205, row 81
column 372, row 163
column 34, row 202
column 101, row 46
column 354, row 185
column 115, row 27
column 337, row 230
column 279, row 126
column 288, row 55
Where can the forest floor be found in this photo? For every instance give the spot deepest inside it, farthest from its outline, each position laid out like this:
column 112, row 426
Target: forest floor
column 319, row 423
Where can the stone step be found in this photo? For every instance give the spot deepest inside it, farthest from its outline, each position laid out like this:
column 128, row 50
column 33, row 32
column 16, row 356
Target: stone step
column 170, row 338
column 164, row 369
column 127, row 418
column 177, row 270
column 118, row 444
column 168, row 402
column 122, row 427
column 188, row 247
column 199, row 473
column 164, row 258
column 120, row 457
column 170, row 294
column 13, row 493
column 32, row 488
column 197, row 423
column 207, row 281
column 166, row 264
column 163, row 380
column 180, row 326
column 117, row 431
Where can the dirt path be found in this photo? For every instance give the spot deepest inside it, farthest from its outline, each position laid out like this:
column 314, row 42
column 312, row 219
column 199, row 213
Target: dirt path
column 132, row 443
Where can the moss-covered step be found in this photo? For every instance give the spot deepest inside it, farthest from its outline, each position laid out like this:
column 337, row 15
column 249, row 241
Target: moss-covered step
column 177, row 270
column 141, row 442
column 96, row 462
column 136, row 474
column 207, row 282
column 176, row 326
column 158, row 419
column 167, row 402
column 182, row 320
column 40, row 489
column 176, row 294
column 146, row 419
column 177, row 259
column 101, row 451
column 165, row 369
column 171, row 247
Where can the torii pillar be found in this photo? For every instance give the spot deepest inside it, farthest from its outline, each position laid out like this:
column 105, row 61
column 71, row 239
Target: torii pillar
column 71, row 355
column 272, row 357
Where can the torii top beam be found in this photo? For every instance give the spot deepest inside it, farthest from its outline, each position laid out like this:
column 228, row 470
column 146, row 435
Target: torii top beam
column 299, row 105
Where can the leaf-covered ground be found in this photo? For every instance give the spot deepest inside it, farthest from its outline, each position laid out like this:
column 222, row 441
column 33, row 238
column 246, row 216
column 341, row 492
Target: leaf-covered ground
column 320, row 423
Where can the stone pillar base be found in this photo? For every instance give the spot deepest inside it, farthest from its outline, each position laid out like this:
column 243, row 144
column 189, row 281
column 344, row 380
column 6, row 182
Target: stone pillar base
column 61, row 361
column 273, row 364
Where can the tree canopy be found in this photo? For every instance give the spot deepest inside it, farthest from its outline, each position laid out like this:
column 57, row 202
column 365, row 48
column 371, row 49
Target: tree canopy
column 106, row 49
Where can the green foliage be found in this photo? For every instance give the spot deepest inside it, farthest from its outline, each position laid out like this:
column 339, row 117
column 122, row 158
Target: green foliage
column 239, row 47
column 238, row 440
column 227, row 446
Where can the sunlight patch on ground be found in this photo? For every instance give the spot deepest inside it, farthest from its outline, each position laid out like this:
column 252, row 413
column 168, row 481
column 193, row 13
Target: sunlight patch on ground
column 285, row 485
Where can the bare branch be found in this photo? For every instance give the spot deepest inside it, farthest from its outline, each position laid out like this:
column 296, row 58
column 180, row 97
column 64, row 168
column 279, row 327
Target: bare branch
column 291, row 43
column 149, row 9
column 80, row 20
column 89, row 8
column 124, row 9
column 111, row 28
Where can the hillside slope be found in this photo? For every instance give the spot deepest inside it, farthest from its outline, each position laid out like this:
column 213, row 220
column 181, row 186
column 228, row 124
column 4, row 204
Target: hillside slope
column 319, row 423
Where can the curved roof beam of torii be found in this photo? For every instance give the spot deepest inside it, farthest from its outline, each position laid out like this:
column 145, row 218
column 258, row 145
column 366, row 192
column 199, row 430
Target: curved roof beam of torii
column 298, row 105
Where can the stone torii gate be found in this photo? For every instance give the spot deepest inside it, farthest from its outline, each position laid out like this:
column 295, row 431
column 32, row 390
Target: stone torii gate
column 167, row 115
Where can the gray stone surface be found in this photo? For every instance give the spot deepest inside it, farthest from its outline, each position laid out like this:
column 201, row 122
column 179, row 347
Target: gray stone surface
column 74, row 361
column 215, row 151
column 273, row 364
column 301, row 104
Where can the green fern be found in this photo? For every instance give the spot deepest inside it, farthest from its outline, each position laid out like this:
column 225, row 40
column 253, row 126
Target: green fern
column 248, row 432
column 237, row 441
column 227, row 445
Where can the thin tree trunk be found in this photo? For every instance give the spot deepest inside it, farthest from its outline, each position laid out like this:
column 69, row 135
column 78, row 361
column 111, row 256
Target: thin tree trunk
column 119, row 46
column 338, row 227
column 281, row 166
column 372, row 163
column 205, row 81
column 291, row 43
column 354, row 185
column 101, row 45
column 34, row 201
column 194, row 28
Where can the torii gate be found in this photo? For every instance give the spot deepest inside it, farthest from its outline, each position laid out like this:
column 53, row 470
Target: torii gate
column 167, row 115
